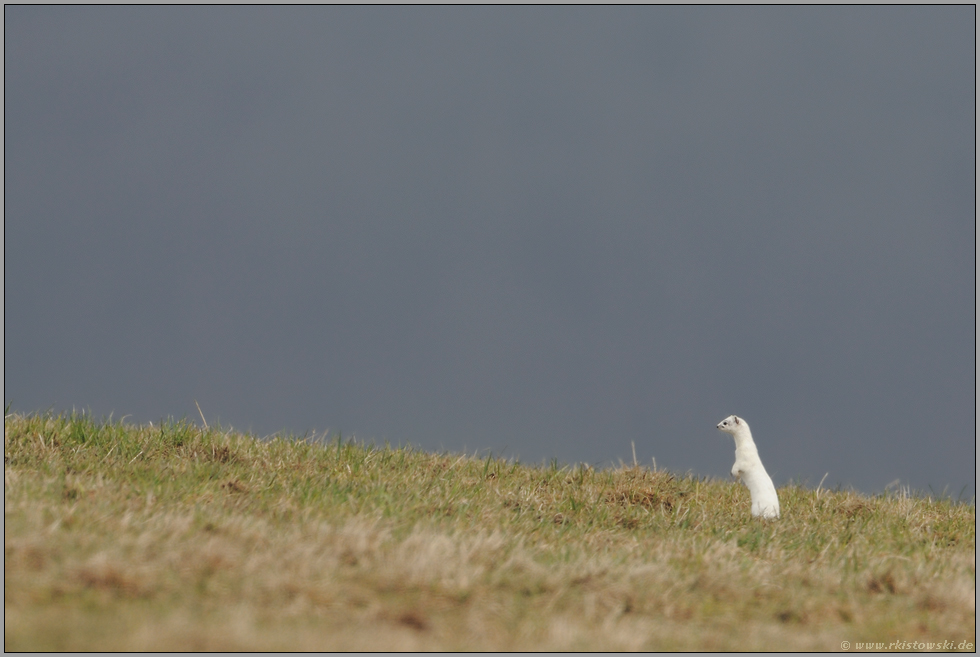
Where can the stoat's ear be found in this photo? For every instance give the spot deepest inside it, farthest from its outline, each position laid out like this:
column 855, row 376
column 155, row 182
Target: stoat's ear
column 736, row 419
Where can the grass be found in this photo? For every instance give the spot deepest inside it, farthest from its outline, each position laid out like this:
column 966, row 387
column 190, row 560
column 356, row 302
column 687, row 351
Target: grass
column 177, row 538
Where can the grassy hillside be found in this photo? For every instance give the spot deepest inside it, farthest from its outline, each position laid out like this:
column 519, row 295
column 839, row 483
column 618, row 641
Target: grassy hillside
column 173, row 537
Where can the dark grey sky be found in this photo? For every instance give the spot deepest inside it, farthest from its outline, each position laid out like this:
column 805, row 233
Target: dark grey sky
column 544, row 232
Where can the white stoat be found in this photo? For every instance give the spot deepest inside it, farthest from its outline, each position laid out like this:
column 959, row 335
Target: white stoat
column 749, row 468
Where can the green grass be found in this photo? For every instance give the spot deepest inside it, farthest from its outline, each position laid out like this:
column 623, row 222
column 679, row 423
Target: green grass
column 173, row 537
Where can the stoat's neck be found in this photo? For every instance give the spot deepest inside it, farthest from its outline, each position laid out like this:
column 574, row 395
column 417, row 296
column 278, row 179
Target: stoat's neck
column 743, row 436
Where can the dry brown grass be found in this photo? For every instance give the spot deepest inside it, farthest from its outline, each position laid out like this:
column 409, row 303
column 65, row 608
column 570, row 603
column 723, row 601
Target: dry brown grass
column 149, row 538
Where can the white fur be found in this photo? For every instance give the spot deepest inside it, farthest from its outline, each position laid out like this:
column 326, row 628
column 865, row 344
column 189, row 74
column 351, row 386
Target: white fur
column 749, row 468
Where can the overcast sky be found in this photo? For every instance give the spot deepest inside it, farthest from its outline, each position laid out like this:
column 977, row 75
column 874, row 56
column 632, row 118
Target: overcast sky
column 538, row 232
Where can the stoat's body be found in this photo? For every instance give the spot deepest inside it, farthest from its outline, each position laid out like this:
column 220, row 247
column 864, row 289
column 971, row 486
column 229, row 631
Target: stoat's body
column 748, row 467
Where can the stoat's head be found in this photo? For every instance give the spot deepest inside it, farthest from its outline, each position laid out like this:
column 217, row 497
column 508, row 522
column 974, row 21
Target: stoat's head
column 731, row 424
